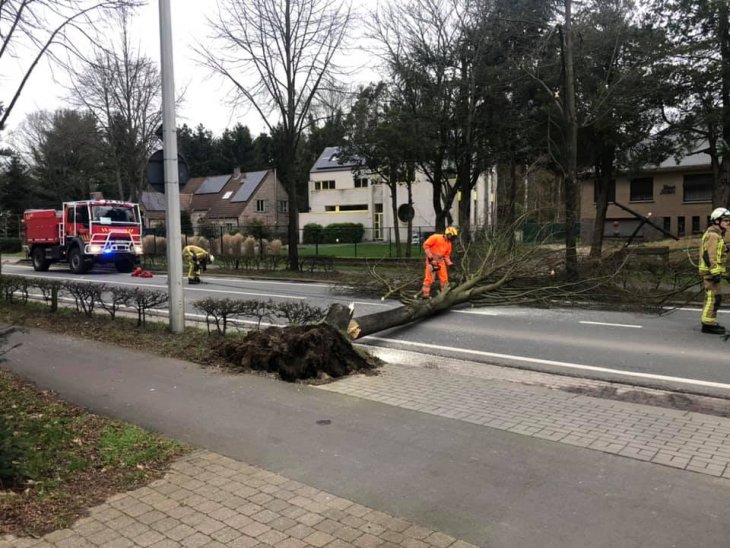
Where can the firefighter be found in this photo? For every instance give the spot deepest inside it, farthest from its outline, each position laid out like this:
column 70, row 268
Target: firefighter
column 713, row 252
column 198, row 258
column 438, row 258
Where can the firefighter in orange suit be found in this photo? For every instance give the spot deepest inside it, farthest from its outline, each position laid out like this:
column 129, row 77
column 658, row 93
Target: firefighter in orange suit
column 197, row 258
column 438, row 258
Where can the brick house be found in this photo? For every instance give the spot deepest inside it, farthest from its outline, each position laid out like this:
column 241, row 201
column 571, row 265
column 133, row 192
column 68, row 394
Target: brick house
column 238, row 200
column 675, row 195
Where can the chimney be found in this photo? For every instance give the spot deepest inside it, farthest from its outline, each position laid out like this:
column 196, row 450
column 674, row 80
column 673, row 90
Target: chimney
column 236, row 172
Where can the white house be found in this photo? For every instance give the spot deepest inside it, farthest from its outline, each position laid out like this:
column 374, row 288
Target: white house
column 339, row 194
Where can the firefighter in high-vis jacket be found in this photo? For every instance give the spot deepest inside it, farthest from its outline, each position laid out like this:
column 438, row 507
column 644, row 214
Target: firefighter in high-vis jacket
column 197, row 258
column 438, row 257
column 713, row 254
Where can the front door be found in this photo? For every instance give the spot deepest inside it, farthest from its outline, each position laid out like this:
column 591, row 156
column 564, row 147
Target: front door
column 378, row 223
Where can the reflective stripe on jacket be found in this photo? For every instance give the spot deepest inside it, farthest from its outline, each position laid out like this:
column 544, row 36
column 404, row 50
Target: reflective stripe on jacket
column 712, row 253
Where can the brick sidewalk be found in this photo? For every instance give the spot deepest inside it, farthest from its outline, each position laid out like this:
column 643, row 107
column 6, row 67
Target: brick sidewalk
column 207, row 500
column 680, row 439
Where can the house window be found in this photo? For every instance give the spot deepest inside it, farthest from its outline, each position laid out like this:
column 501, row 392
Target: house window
column 361, row 182
column 260, row 206
column 611, row 191
column 696, row 224
column 667, row 224
column 642, row 189
column 324, row 185
column 698, row 188
column 354, row 207
column 680, row 226
column 283, row 206
column 227, row 195
column 346, row 208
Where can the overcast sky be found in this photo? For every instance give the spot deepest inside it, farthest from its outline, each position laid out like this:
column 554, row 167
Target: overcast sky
column 205, row 95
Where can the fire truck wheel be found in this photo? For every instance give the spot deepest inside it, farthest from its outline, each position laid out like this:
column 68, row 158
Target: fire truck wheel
column 76, row 261
column 124, row 265
column 40, row 263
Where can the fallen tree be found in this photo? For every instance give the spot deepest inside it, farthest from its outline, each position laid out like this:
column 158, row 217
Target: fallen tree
column 496, row 271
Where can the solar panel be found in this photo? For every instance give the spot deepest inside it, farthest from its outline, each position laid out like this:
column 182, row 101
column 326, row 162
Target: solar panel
column 250, row 183
column 213, row 185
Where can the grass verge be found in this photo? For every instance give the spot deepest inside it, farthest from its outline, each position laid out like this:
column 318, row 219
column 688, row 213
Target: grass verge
column 56, row 459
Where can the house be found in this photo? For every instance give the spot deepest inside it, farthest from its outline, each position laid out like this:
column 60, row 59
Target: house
column 676, row 196
column 341, row 193
column 238, row 200
column 154, row 208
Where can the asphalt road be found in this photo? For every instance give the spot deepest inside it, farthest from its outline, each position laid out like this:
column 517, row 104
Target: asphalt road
column 663, row 351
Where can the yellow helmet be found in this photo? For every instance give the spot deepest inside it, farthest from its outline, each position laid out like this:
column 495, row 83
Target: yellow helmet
column 451, row 231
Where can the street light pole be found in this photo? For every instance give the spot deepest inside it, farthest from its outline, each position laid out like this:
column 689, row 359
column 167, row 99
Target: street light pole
column 172, row 183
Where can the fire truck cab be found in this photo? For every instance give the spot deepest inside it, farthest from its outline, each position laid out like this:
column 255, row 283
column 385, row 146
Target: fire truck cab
column 84, row 233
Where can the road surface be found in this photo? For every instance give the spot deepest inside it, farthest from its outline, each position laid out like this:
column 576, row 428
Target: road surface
column 663, row 351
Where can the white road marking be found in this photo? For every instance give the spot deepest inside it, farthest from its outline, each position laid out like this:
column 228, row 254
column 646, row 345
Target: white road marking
column 612, row 324
column 567, row 365
column 479, row 312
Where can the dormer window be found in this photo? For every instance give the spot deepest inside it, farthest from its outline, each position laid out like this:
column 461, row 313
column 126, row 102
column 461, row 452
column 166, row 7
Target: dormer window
column 228, row 194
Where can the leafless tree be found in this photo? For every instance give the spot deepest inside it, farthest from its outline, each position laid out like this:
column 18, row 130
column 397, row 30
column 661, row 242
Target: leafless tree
column 122, row 89
column 31, row 30
column 278, row 55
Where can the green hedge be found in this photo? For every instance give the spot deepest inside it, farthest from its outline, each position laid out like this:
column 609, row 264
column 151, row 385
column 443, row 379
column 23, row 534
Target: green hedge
column 10, row 245
column 343, row 233
column 312, row 233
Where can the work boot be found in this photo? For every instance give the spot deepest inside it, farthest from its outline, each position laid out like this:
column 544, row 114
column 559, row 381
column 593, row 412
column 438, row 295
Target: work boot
column 192, row 281
column 713, row 329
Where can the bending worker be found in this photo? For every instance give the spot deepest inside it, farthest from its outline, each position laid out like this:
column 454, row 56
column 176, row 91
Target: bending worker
column 438, row 257
column 198, row 258
column 713, row 253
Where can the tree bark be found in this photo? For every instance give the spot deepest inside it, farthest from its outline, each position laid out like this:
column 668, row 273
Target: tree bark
column 570, row 183
column 721, row 194
column 603, row 177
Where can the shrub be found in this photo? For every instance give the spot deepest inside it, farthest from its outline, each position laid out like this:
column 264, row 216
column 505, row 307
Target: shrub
column 10, row 245
column 275, row 247
column 258, row 229
column 208, row 230
column 233, row 244
column 249, row 247
column 312, row 233
column 344, row 233
column 154, row 245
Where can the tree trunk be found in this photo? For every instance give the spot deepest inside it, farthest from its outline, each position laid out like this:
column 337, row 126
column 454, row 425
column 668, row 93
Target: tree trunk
column 603, row 177
column 287, row 173
column 571, row 148
column 372, row 323
column 721, row 194
column 409, row 187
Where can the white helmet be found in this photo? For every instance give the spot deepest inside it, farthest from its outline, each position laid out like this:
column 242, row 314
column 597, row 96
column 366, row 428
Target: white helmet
column 718, row 214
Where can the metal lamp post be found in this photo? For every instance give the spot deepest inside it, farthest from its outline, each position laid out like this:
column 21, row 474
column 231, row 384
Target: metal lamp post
column 172, row 190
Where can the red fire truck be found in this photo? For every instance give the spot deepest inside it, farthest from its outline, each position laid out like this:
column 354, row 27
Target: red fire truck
column 84, row 233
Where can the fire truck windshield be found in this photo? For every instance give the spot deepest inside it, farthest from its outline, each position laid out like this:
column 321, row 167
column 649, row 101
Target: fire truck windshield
column 108, row 215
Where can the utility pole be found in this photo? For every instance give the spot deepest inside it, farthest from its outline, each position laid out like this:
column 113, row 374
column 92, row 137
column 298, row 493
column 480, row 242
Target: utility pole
column 172, row 184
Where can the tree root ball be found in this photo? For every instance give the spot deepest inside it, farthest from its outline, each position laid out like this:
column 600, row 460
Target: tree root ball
column 295, row 353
